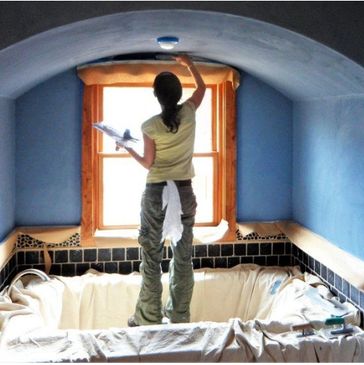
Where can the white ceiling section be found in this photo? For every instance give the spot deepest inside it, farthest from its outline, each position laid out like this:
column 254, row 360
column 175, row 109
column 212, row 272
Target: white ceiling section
column 295, row 65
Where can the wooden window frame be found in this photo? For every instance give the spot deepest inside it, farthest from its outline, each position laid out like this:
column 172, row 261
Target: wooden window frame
column 226, row 149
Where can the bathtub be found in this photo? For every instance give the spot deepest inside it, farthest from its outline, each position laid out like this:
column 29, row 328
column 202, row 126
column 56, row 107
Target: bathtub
column 245, row 313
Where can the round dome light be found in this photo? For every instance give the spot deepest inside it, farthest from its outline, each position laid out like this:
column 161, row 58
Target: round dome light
column 167, row 43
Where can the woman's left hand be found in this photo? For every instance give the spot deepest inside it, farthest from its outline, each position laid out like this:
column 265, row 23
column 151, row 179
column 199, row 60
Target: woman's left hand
column 118, row 146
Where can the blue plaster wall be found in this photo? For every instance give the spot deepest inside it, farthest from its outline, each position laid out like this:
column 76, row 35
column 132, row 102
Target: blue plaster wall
column 328, row 173
column 264, row 152
column 48, row 138
column 7, row 166
column 311, row 170
column 48, row 153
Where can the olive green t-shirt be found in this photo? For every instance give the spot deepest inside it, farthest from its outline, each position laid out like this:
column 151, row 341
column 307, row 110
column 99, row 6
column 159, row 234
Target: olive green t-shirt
column 173, row 154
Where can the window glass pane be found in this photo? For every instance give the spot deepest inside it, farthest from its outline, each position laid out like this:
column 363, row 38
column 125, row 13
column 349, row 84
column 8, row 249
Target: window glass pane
column 203, row 141
column 123, row 185
column 203, row 188
column 129, row 107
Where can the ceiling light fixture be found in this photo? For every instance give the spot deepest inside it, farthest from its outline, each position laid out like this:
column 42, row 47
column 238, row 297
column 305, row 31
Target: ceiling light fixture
column 167, row 43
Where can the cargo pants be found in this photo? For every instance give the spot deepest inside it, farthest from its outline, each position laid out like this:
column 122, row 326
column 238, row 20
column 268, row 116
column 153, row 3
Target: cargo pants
column 149, row 304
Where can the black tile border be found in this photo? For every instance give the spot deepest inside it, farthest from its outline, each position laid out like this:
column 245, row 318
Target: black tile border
column 8, row 271
column 337, row 285
column 72, row 260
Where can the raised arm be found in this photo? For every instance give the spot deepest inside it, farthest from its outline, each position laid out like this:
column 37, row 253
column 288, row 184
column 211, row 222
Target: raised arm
column 199, row 93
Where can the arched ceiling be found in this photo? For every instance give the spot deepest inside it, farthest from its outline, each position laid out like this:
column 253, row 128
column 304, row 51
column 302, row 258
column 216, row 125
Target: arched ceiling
column 297, row 66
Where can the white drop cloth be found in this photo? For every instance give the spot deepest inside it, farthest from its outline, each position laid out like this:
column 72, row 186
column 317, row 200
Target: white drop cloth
column 84, row 319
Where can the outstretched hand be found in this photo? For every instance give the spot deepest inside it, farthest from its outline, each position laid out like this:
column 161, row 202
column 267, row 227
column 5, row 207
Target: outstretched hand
column 184, row 60
column 118, row 146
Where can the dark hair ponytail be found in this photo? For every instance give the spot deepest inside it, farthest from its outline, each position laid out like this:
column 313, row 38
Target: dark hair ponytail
column 168, row 90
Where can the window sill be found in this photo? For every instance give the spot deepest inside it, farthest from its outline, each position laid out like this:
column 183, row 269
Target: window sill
column 129, row 237
column 116, row 237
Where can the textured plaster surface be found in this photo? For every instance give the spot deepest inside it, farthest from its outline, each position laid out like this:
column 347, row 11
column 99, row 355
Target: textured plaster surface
column 297, row 66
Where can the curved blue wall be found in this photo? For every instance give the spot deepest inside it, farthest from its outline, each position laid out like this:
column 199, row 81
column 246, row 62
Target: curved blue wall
column 7, row 166
column 264, row 153
column 48, row 153
column 328, row 173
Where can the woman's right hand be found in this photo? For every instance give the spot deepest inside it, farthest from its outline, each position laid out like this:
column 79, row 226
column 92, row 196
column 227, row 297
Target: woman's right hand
column 184, row 60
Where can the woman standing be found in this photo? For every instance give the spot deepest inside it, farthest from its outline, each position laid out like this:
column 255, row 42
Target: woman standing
column 168, row 148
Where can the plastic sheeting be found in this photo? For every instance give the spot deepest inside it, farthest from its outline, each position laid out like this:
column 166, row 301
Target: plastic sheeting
column 84, row 318
column 234, row 341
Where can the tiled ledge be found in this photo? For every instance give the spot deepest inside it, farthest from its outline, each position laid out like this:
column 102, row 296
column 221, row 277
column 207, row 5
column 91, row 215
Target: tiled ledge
column 340, row 271
column 303, row 250
column 342, row 263
column 337, row 285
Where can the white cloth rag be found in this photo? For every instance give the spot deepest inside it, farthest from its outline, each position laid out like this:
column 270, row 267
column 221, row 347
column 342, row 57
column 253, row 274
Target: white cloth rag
column 172, row 225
